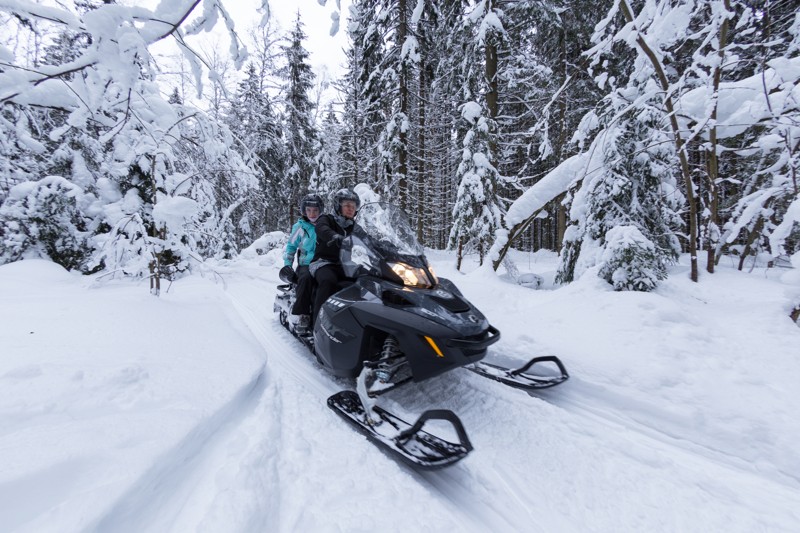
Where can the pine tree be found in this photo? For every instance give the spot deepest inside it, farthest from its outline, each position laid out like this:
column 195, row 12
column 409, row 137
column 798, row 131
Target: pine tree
column 260, row 136
column 299, row 128
column 476, row 214
column 44, row 219
column 364, row 111
column 136, row 174
column 327, row 177
column 625, row 215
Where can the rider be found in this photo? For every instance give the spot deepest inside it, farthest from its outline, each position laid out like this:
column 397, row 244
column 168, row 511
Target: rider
column 303, row 240
column 331, row 230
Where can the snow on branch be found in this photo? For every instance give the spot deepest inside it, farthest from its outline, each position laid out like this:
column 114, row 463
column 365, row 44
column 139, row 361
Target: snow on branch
column 30, row 10
column 120, row 36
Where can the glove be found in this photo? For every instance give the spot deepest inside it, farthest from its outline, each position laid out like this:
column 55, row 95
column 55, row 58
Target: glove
column 287, row 274
column 336, row 241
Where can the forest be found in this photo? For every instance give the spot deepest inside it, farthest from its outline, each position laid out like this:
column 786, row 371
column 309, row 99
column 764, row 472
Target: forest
column 619, row 133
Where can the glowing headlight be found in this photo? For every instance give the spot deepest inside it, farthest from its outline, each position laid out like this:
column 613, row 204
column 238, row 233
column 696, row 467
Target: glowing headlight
column 412, row 276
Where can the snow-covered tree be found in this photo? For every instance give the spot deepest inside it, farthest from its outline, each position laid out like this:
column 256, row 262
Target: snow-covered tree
column 476, row 214
column 364, row 114
column 327, row 177
column 635, row 188
column 299, row 128
column 44, row 219
column 691, row 65
column 260, row 137
column 104, row 126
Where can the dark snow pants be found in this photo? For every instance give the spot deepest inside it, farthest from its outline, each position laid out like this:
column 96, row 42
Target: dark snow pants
column 305, row 283
column 328, row 278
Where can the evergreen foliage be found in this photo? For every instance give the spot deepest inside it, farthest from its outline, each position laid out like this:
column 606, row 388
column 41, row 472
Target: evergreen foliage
column 299, row 128
column 43, row 219
column 635, row 187
column 619, row 135
column 476, row 214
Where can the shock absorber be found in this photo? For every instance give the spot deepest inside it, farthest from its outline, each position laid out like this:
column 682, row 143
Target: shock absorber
column 391, row 349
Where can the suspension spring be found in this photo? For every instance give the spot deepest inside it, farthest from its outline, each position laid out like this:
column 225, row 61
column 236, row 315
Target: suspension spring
column 390, row 350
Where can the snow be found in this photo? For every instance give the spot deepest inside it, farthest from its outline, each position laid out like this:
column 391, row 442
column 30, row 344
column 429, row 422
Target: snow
column 174, row 211
column 743, row 103
column 471, row 111
column 418, row 9
column 197, row 411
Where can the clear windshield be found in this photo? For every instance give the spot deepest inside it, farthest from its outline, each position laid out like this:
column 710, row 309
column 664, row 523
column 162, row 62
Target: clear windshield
column 389, row 226
column 381, row 240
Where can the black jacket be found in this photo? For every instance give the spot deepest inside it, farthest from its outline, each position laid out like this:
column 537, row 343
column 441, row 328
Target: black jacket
column 328, row 245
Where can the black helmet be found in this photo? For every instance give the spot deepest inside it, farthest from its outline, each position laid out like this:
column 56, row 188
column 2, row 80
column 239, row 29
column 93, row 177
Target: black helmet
column 311, row 200
column 344, row 194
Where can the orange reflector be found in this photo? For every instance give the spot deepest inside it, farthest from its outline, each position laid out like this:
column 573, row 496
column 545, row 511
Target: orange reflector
column 435, row 348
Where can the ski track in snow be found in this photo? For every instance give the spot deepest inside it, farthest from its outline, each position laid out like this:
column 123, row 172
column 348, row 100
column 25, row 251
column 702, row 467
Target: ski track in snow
column 536, row 466
column 587, row 399
column 172, row 476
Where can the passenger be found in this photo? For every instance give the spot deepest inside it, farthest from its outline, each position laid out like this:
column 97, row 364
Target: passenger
column 331, row 231
column 302, row 242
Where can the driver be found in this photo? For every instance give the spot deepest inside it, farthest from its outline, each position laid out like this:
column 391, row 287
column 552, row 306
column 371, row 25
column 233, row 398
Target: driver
column 331, row 231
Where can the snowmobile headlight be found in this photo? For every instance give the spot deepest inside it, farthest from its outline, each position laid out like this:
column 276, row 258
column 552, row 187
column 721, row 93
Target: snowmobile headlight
column 412, row 276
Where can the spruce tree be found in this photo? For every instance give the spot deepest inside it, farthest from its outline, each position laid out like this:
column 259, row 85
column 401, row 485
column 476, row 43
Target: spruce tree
column 327, row 178
column 625, row 215
column 476, row 214
column 260, row 137
column 299, row 128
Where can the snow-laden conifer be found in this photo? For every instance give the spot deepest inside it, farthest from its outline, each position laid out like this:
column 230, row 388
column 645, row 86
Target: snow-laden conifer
column 44, row 219
column 299, row 129
column 146, row 168
column 476, row 214
column 635, row 187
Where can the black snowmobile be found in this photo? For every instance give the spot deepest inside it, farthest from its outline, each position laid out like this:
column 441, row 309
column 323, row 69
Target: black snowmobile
column 396, row 322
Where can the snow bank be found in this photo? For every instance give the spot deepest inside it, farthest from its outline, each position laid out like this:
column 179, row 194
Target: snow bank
column 99, row 385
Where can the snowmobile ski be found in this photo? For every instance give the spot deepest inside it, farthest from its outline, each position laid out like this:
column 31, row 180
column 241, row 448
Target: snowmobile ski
column 414, row 446
column 520, row 378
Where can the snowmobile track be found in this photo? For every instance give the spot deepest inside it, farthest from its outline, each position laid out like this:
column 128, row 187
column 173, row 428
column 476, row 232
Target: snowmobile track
column 585, row 399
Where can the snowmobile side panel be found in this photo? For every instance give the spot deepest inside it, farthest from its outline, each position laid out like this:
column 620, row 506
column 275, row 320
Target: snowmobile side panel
column 351, row 317
column 405, row 441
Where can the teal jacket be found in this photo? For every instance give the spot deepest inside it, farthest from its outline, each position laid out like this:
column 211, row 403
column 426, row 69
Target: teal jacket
column 303, row 238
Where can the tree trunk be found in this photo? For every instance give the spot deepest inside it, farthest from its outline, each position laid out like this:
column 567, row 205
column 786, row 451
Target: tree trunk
column 750, row 238
column 402, row 155
column 423, row 195
column 561, row 218
column 491, row 93
column 712, row 225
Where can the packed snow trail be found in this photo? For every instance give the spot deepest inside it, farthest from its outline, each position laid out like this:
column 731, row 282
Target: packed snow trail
column 272, row 469
column 215, row 419
column 557, row 462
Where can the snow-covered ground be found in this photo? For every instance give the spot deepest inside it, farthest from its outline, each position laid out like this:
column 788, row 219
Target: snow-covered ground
column 197, row 411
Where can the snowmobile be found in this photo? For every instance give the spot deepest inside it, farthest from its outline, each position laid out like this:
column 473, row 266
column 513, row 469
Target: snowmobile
column 393, row 322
